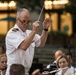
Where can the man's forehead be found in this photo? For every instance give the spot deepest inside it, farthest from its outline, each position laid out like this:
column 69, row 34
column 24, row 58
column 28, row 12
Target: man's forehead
column 25, row 14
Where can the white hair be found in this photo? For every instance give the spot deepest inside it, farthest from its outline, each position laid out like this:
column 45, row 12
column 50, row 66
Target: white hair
column 19, row 11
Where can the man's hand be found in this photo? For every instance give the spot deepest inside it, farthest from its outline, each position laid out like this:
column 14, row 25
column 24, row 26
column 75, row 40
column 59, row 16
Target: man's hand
column 46, row 23
column 64, row 70
column 35, row 26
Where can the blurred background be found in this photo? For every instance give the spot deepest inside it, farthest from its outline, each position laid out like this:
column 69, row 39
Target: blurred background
column 62, row 32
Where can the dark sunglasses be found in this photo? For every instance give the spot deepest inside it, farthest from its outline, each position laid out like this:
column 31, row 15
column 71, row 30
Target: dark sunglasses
column 25, row 21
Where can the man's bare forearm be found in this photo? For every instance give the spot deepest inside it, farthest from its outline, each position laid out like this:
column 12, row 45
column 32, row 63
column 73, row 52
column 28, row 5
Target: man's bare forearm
column 26, row 43
column 43, row 38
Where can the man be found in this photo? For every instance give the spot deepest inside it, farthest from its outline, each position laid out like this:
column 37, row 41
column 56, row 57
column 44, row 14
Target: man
column 20, row 42
column 17, row 69
column 56, row 55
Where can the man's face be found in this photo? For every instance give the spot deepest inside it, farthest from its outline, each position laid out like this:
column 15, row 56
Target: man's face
column 59, row 53
column 24, row 20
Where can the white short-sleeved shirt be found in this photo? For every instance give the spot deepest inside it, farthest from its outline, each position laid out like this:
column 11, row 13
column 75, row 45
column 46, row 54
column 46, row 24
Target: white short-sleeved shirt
column 68, row 72
column 15, row 55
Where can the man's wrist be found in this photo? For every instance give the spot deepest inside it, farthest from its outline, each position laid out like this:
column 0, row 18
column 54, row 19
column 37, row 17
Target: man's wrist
column 45, row 29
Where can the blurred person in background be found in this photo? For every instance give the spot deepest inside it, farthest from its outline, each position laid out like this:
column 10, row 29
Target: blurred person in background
column 52, row 66
column 3, row 64
column 56, row 55
column 62, row 63
column 17, row 69
column 70, row 58
column 2, row 49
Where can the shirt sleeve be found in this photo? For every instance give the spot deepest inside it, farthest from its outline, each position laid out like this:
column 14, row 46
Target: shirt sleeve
column 37, row 40
column 14, row 39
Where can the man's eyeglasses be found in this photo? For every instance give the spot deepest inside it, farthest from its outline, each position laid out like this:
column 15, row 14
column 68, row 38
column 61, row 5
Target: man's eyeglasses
column 25, row 21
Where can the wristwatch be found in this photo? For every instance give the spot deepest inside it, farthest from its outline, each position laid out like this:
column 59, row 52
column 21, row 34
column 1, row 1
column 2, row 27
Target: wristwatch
column 45, row 30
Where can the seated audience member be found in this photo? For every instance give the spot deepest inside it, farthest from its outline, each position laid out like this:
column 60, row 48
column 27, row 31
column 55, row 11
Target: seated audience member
column 63, row 66
column 17, row 69
column 3, row 64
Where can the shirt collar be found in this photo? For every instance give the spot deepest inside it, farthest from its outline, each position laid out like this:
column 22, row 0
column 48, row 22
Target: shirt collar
column 16, row 26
